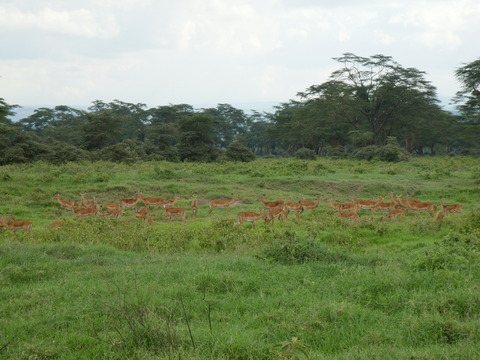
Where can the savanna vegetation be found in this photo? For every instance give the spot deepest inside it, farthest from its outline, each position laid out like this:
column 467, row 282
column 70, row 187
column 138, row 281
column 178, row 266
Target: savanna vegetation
column 316, row 287
column 371, row 107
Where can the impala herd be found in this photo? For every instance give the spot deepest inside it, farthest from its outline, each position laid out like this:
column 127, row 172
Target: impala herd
column 272, row 210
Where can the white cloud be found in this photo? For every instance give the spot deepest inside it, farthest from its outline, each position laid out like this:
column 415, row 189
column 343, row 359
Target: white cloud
column 80, row 22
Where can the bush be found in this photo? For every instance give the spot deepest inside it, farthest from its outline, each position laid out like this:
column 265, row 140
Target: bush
column 239, row 152
column 305, row 154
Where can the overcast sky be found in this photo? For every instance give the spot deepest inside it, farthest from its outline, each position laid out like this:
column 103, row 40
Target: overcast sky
column 205, row 52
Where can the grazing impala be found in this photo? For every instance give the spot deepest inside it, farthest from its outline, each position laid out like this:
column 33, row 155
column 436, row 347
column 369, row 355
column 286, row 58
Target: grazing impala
column 170, row 212
column 249, row 216
column 353, row 215
column 454, row 208
column 440, row 215
column 269, row 205
column 416, row 206
column 276, row 213
column 222, row 204
column 398, row 213
column 141, row 213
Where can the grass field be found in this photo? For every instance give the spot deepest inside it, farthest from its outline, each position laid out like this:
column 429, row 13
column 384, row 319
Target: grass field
column 319, row 287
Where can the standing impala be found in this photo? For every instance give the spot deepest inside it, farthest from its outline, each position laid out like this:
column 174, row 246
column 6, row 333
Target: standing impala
column 454, row 208
column 309, row 205
column 222, row 204
column 170, row 212
column 15, row 225
column 194, row 205
column 131, row 203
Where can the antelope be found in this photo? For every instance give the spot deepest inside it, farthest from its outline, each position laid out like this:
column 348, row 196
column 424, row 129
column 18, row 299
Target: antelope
column 114, row 212
column 170, row 203
column 57, row 224
column 222, row 204
column 309, row 205
column 66, row 205
column 353, row 215
column 297, row 208
column 85, row 213
column 154, row 202
column 440, row 216
column 149, row 220
column 130, row 203
column 344, row 206
column 454, row 208
column 194, row 206
column 249, row 216
column 170, row 212
column 276, row 213
column 141, row 213
column 384, row 206
column 398, row 213
column 422, row 206
column 269, row 205
column 367, row 204
column 87, row 204
column 15, row 225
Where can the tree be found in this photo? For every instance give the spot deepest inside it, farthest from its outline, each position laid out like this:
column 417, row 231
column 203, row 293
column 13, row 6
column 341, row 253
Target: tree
column 371, row 95
column 468, row 97
column 196, row 138
column 236, row 151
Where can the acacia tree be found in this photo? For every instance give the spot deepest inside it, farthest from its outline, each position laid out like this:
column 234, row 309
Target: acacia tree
column 468, row 97
column 369, row 95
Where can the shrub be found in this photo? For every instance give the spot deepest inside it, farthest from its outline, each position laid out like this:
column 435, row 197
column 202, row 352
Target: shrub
column 239, row 152
column 305, row 154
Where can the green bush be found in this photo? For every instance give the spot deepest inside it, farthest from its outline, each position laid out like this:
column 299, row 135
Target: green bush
column 305, row 154
column 239, row 152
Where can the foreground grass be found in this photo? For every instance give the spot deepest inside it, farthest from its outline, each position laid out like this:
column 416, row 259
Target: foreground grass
column 319, row 288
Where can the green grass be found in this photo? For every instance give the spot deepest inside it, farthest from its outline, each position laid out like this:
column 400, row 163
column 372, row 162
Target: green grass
column 318, row 288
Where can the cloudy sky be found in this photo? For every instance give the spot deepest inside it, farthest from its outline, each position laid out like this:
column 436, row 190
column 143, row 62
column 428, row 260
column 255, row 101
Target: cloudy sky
column 205, row 52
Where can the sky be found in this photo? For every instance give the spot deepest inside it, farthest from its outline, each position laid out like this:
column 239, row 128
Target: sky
column 205, row 52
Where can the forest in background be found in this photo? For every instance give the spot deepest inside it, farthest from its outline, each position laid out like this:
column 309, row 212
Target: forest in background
column 369, row 108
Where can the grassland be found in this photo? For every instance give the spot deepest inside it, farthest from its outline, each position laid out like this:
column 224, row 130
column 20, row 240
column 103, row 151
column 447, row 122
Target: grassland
column 318, row 288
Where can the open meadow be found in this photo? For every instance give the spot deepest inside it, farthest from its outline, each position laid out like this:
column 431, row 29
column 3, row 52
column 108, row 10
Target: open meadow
column 319, row 286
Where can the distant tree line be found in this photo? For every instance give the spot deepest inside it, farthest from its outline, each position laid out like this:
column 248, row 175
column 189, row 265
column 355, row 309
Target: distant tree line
column 369, row 108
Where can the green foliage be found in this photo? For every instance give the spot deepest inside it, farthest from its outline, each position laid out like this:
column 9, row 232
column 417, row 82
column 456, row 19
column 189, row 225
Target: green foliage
column 236, row 151
column 305, row 154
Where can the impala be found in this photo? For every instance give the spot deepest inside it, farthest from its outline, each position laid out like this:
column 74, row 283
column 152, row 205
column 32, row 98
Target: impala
column 398, row 213
column 114, row 212
column 170, row 212
column 440, row 215
column 154, row 202
column 57, row 224
column 87, row 204
column 85, row 213
column 367, row 204
column 149, row 220
column 170, row 203
column 269, row 205
column 15, row 225
column 277, row 213
column 416, row 206
column 345, row 206
column 141, row 213
column 384, row 206
column 353, row 215
column 249, row 216
column 309, row 205
column 194, row 206
column 222, row 204
column 454, row 208
column 66, row 205
column 293, row 206
column 397, row 200
column 130, row 203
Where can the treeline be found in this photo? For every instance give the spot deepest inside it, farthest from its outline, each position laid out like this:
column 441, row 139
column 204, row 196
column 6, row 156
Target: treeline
column 369, row 108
